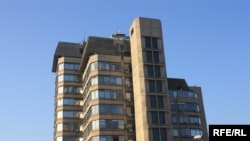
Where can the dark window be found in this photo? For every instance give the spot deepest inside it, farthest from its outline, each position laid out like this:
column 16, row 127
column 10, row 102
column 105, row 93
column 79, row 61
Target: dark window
column 115, row 124
column 151, row 86
column 69, row 138
column 80, row 50
column 115, row 138
column 172, row 106
column 192, row 107
column 154, row 117
column 181, row 106
column 154, row 43
column 149, row 56
column 174, row 119
column 157, row 71
column 106, row 80
column 150, row 70
column 159, row 86
column 185, row 132
column 155, row 132
column 156, row 57
column 152, row 101
column 163, row 134
column 160, row 102
column 183, row 119
column 101, row 80
column 162, row 117
column 147, row 42
column 121, row 48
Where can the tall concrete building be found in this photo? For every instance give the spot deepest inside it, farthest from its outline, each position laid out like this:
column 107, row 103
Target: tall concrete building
column 117, row 89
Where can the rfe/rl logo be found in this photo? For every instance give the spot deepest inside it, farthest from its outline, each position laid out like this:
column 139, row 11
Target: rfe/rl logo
column 228, row 132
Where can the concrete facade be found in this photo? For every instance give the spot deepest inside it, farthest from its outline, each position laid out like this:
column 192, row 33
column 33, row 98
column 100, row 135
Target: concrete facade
column 117, row 89
column 141, row 29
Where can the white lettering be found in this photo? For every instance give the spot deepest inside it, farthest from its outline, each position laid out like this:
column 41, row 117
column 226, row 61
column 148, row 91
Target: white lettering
column 228, row 132
column 242, row 133
column 216, row 132
column 222, row 131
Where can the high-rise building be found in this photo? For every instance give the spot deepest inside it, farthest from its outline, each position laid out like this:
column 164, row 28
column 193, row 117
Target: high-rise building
column 117, row 89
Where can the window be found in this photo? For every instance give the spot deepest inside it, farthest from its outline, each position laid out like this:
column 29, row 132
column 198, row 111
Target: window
column 154, row 117
column 175, row 132
column 190, row 132
column 155, row 132
column 70, row 126
column 69, row 114
column 156, row 57
column 157, row 71
column 117, row 109
column 119, row 95
column 108, row 124
column 183, row 119
column 188, row 107
column 68, row 138
column 174, row 119
column 71, row 66
column 121, row 48
column 102, row 123
column 70, row 89
column 195, row 132
column 66, row 101
column 163, row 132
column 185, row 132
column 147, row 42
column 106, row 80
column 105, row 66
column 107, row 109
column 159, row 86
column 181, row 106
column 194, row 120
column 151, row 85
column 192, row 107
column 153, row 71
column 68, row 66
column 162, row 118
column 107, row 138
column 150, row 70
column 151, row 42
column 172, row 106
column 118, row 80
column 149, row 57
column 183, row 94
column 160, row 102
column 152, row 101
column 154, row 43
column 67, row 77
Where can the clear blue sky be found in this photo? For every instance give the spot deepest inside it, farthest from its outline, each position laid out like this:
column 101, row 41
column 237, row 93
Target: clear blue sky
column 207, row 42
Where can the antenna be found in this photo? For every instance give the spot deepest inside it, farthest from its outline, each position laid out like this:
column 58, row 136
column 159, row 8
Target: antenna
column 84, row 36
column 118, row 30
